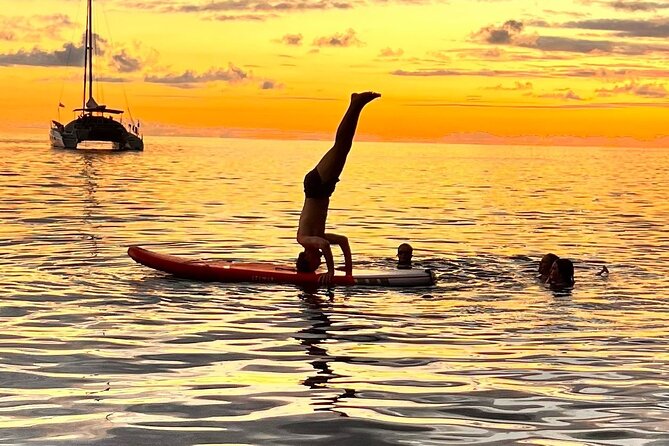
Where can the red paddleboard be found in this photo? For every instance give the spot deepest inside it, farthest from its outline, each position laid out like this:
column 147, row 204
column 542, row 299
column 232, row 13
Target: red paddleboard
column 223, row 271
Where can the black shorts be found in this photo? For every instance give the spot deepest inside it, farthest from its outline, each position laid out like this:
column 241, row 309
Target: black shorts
column 315, row 187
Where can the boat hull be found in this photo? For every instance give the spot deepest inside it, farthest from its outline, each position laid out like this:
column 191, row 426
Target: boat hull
column 56, row 139
column 94, row 128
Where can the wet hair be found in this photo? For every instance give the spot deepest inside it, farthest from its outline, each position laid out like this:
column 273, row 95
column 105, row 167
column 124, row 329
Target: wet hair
column 405, row 246
column 302, row 265
column 404, row 262
column 566, row 269
column 546, row 263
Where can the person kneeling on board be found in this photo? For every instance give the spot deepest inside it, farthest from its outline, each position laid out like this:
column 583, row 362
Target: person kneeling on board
column 319, row 184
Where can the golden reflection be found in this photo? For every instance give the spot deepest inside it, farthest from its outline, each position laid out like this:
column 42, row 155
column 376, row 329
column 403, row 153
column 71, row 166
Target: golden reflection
column 170, row 344
column 315, row 339
column 91, row 206
column 31, row 422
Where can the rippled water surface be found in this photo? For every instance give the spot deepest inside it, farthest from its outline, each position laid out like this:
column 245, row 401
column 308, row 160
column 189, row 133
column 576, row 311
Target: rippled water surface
column 97, row 350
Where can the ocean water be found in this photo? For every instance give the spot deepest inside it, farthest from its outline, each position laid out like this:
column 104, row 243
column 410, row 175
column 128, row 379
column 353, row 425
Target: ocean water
column 98, row 350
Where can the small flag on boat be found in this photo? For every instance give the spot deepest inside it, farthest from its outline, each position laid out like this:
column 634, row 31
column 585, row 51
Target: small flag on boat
column 60, row 104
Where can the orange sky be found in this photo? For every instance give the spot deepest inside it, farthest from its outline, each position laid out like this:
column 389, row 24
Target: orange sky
column 584, row 72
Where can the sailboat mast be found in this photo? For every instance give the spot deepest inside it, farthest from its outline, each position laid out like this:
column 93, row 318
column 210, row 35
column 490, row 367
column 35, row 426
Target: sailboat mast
column 90, row 49
column 83, row 99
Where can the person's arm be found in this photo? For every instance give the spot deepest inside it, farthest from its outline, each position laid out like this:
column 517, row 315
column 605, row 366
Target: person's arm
column 342, row 241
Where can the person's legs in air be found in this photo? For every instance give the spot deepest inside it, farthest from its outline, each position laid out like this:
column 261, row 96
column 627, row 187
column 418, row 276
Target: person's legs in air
column 331, row 165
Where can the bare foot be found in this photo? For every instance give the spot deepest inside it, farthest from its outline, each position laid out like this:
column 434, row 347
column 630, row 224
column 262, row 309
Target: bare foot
column 364, row 98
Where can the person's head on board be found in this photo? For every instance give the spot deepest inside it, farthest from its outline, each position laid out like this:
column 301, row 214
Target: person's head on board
column 404, row 254
column 308, row 260
column 561, row 273
column 545, row 265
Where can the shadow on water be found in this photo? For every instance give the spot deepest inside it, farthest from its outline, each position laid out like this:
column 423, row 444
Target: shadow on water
column 314, row 339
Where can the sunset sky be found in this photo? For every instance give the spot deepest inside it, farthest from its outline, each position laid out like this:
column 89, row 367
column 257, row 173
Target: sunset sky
column 573, row 71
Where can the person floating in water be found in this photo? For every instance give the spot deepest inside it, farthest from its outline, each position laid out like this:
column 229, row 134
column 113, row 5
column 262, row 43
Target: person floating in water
column 404, row 254
column 561, row 274
column 545, row 265
column 319, row 184
column 555, row 271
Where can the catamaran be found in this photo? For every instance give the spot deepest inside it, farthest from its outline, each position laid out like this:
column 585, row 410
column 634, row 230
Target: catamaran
column 95, row 122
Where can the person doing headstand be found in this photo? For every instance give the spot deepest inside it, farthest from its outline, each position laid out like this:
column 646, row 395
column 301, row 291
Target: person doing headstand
column 319, row 184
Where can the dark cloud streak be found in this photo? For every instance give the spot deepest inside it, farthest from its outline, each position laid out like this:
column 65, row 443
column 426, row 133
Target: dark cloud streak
column 341, row 40
column 69, row 55
column 651, row 90
column 635, row 6
column 247, row 17
column 553, row 43
column 518, row 86
column 540, row 73
column 628, row 28
column 504, row 34
column 124, row 63
column 254, row 5
column 231, row 74
column 511, row 33
column 270, row 85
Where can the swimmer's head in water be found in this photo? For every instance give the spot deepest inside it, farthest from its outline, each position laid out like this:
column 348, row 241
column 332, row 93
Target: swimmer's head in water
column 545, row 265
column 308, row 260
column 561, row 273
column 404, row 253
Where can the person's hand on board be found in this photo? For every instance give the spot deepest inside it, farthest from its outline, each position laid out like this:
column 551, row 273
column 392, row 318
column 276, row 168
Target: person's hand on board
column 325, row 279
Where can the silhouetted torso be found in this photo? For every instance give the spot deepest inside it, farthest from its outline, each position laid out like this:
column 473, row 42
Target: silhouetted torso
column 313, row 216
